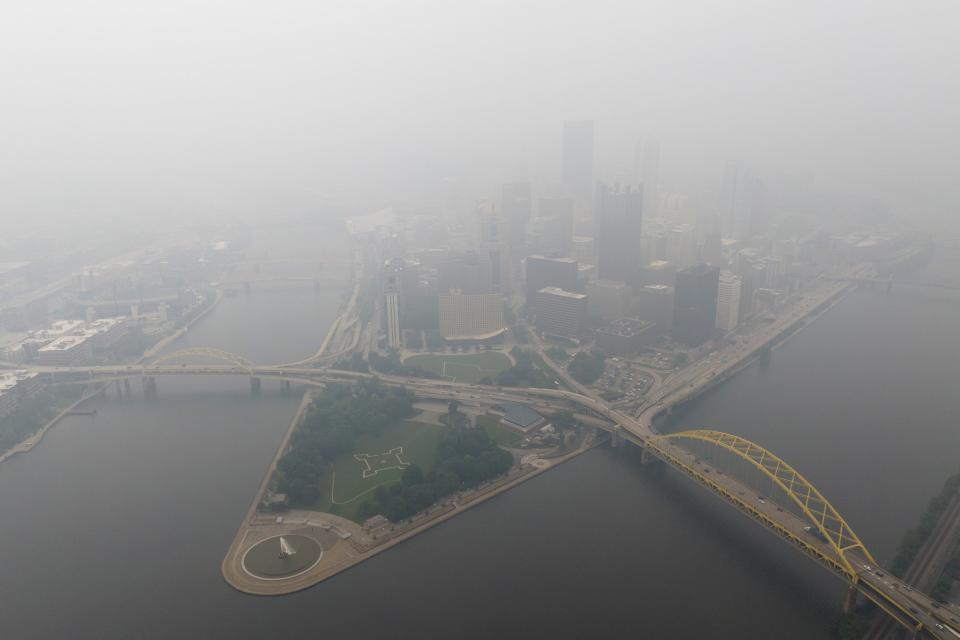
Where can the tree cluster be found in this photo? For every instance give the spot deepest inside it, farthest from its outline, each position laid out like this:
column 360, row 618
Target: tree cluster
column 31, row 414
column 354, row 363
column 586, row 368
column 391, row 365
column 525, row 373
column 557, row 354
column 330, row 427
column 914, row 539
column 465, row 458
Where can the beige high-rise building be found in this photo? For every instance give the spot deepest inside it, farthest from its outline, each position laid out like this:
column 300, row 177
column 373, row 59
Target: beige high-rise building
column 471, row 317
column 728, row 301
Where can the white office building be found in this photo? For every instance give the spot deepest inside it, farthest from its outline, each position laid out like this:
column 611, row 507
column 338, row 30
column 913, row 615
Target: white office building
column 728, row 302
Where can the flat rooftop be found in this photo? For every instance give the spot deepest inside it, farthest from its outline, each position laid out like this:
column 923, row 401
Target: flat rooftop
column 557, row 291
column 520, row 415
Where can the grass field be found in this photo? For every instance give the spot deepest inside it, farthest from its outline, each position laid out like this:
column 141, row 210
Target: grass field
column 471, row 367
column 500, row 434
column 377, row 460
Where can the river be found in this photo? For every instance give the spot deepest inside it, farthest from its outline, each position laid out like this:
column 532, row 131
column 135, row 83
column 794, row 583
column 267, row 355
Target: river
column 115, row 525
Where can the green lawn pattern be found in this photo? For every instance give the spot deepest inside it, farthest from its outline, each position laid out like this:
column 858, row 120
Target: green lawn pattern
column 419, row 441
column 469, row 368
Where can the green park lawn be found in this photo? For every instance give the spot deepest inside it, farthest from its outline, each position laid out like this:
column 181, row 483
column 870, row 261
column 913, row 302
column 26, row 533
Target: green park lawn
column 469, row 368
column 501, row 435
column 382, row 460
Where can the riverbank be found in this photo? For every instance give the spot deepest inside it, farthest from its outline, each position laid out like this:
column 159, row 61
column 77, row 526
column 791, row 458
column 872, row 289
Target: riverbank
column 346, row 320
column 737, row 357
column 166, row 341
column 345, row 543
column 33, row 440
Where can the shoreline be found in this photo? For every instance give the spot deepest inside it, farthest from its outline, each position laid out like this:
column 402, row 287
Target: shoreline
column 346, row 551
column 226, row 567
column 27, row 444
column 741, row 362
column 167, row 340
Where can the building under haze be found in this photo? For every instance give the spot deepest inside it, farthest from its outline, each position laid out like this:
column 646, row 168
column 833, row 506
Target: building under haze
column 560, row 312
column 517, row 204
column 695, row 304
column 492, row 247
column 462, row 270
column 470, row 317
column 728, row 301
column 654, row 304
column 607, row 299
column 543, row 272
column 560, row 210
column 619, row 218
column 741, row 205
column 647, row 169
column 577, row 160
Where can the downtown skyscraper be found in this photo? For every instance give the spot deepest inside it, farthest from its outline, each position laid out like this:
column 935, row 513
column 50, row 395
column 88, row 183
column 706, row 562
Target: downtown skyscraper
column 619, row 218
column 577, row 160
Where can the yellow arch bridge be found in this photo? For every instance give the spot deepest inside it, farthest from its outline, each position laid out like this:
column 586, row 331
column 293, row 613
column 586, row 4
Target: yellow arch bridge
column 810, row 523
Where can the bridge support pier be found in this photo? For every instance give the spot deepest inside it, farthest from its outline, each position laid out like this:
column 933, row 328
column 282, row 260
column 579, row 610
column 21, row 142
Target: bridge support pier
column 850, row 600
column 285, row 386
column 126, row 385
column 149, row 386
column 766, row 354
column 616, row 437
column 254, row 385
column 116, row 383
column 647, row 458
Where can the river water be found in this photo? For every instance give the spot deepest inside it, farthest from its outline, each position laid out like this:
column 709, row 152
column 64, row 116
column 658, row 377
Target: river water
column 115, row 526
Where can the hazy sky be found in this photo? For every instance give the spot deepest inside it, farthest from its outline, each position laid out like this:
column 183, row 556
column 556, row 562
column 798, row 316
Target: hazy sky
column 193, row 107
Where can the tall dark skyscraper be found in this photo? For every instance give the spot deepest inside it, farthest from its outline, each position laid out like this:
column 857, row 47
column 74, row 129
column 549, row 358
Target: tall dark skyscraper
column 647, row 169
column 492, row 247
column 695, row 304
column 741, row 206
column 549, row 272
column 560, row 209
column 517, row 206
column 619, row 218
column 577, row 161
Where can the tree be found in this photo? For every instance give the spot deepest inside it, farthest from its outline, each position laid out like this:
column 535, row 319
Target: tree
column 412, row 475
column 563, row 419
column 453, row 407
column 587, row 368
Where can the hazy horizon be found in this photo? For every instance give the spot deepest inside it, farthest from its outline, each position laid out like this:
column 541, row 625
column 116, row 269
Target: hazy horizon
column 116, row 110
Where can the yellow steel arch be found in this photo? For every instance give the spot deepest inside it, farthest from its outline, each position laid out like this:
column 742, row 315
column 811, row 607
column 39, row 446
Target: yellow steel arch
column 812, row 503
column 205, row 352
